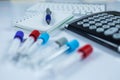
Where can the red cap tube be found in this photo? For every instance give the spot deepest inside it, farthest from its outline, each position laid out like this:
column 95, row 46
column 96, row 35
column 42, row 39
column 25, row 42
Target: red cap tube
column 86, row 51
column 35, row 34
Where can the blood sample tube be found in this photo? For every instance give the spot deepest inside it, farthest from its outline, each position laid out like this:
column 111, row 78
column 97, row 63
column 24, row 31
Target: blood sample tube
column 42, row 39
column 30, row 40
column 62, row 66
column 18, row 38
column 81, row 54
column 48, row 51
column 69, row 47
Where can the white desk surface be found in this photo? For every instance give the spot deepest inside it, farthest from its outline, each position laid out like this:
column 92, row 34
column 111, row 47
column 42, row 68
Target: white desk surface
column 103, row 64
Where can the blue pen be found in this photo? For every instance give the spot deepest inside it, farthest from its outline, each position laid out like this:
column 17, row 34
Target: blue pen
column 48, row 16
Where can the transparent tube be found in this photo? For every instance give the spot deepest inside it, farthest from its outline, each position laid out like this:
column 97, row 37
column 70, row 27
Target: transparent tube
column 14, row 47
column 55, row 55
column 45, row 53
column 38, row 57
column 23, row 49
column 35, row 46
column 52, row 70
column 64, row 65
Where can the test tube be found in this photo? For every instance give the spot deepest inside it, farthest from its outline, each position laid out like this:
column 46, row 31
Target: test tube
column 18, row 38
column 52, row 70
column 81, row 54
column 30, row 40
column 45, row 36
column 69, row 47
column 39, row 56
column 42, row 39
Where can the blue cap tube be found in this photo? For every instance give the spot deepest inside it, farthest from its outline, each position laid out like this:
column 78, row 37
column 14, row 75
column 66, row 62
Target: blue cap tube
column 20, row 35
column 45, row 37
column 72, row 45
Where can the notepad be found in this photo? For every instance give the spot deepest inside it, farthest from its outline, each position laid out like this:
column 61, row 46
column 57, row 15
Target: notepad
column 37, row 21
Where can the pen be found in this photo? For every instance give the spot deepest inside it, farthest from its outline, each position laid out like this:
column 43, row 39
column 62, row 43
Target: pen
column 48, row 16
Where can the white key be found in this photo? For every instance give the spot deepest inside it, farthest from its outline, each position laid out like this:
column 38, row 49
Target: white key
column 100, row 29
column 111, row 31
column 116, row 36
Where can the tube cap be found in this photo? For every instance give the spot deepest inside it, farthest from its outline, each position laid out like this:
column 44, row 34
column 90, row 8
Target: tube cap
column 72, row 45
column 45, row 37
column 35, row 34
column 61, row 41
column 86, row 50
column 20, row 35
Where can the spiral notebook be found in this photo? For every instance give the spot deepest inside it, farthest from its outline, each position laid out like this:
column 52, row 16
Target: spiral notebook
column 60, row 11
column 37, row 21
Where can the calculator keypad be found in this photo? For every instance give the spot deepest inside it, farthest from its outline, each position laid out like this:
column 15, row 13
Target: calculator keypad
column 104, row 25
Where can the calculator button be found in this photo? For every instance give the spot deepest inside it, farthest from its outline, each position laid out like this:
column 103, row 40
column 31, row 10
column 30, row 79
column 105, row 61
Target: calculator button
column 91, row 22
column 106, row 26
column 109, row 20
column 99, row 15
column 98, row 24
column 110, row 31
column 95, row 16
column 100, row 29
column 92, row 27
column 114, row 18
column 86, row 25
column 116, row 36
column 79, row 23
column 110, row 15
column 102, row 18
column 103, row 14
column 117, row 26
column 116, row 22
column 96, row 20
column 85, row 20
column 90, row 18
column 106, row 17
column 104, row 22
column 111, row 24
column 118, row 17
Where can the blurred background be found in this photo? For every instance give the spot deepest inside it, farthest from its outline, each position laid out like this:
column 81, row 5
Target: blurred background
column 64, row 0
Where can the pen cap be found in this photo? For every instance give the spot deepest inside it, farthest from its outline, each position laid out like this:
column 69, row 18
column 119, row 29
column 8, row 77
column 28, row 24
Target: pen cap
column 20, row 35
column 35, row 34
column 86, row 51
column 61, row 41
column 48, row 11
column 72, row 45
column 45, row 37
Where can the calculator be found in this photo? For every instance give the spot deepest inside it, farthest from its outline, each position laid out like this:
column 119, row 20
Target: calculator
column 102, row 27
